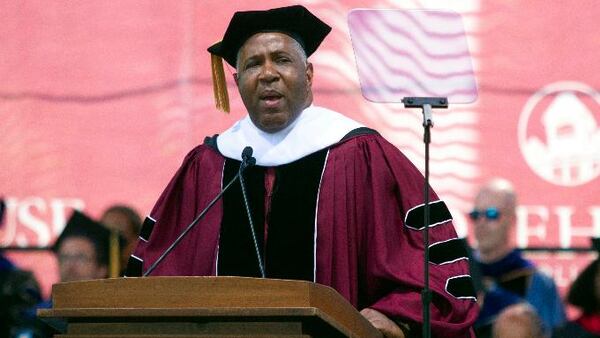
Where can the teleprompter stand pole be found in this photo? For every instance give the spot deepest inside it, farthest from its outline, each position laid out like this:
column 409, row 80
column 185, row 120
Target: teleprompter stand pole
column 426, row 104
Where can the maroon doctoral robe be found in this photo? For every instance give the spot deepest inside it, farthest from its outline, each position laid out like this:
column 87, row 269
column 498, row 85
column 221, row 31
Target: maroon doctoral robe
column 349, row 216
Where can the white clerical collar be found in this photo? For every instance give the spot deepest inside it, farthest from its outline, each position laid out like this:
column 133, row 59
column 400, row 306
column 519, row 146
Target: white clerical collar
column 316, row 128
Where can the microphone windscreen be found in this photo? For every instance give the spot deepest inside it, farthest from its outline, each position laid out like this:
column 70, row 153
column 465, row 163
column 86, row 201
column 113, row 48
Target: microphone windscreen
column 247, row 152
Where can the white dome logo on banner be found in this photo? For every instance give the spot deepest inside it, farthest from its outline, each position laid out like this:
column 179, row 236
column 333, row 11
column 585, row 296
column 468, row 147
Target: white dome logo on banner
column 559, row 134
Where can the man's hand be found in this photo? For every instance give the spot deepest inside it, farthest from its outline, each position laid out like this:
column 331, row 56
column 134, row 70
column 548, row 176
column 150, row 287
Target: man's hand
column 382, row 323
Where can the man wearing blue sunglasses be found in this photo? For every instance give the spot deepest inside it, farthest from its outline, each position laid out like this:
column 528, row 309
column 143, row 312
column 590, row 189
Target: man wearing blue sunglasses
column 507, row 277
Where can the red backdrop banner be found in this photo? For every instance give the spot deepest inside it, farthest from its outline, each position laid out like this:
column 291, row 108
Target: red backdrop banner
column 100, row 102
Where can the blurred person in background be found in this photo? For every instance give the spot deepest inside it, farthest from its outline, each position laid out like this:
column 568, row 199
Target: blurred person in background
column 19, row 293
column 518, row 321
column 82, row 249
column 128, row 223
column 584, row 294
column 507, row 277
column 83, row 253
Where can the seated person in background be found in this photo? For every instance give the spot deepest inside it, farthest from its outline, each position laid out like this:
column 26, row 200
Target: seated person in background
column 82, row 249
column 518, row 321
column 128, row 223
column 19, row 293
column 585, row 295
column 507, row 277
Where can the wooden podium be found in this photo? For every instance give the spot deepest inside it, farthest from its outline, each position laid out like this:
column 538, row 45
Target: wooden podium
column 202, row 307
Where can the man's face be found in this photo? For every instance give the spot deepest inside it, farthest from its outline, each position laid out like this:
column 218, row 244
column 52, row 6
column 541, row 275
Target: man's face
column 77, row 260
column 492, row 233
column 273, row 80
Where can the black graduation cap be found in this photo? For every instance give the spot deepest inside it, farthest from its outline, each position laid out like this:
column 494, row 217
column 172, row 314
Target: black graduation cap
column 295, row 21
column 106, row 242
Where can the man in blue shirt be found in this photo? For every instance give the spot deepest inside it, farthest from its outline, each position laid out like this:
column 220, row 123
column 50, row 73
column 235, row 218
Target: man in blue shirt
column 507, row 277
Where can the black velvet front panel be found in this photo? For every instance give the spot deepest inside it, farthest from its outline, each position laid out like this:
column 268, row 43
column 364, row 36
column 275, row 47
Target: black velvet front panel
column 290, row 247
column 237, row 256
column 289, row 252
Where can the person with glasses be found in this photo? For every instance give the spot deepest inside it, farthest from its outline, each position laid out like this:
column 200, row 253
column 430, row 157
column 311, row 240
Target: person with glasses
column 507, row 277
column 83, row 249
column 82, row 252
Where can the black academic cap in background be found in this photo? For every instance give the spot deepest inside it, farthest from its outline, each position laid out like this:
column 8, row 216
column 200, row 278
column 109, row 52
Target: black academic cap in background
column 295, row 21
column 80, row 225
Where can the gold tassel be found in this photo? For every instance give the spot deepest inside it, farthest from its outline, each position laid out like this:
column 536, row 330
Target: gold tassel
column 219, row 84
column 114, row 261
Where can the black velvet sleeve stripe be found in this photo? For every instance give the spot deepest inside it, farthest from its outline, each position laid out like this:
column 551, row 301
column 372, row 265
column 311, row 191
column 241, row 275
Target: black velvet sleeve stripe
column 358, row 132
column 134, row 267
column 147, row 228
column 438, row 214
column 447, row 251
column 461, row 287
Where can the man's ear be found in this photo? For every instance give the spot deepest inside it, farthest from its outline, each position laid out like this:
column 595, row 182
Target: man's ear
column 309, row 73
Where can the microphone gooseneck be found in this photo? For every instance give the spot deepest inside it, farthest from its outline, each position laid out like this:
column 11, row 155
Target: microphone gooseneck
column 247, row 161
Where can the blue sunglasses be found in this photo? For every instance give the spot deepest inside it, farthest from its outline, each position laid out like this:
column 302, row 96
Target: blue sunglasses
column 489, row 213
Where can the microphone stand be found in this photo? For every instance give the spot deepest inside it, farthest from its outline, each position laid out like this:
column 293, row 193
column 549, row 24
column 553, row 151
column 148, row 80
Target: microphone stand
column 247, row 157
column 426, row 104
column 247, row 161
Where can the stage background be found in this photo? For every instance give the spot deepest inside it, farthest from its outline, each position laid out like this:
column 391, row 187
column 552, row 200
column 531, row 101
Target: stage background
column 101, row 100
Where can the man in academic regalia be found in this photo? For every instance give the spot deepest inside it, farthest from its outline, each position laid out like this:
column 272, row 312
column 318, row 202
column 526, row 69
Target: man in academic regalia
column 508, row 277
column 331, row 201
column 83, row 251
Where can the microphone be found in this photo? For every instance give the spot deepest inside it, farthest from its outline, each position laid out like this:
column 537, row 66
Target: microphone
column 247, row 153
column 247, row 161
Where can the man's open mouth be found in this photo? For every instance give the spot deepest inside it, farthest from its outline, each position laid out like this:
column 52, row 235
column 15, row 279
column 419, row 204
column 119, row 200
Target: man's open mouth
column 271, row 98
